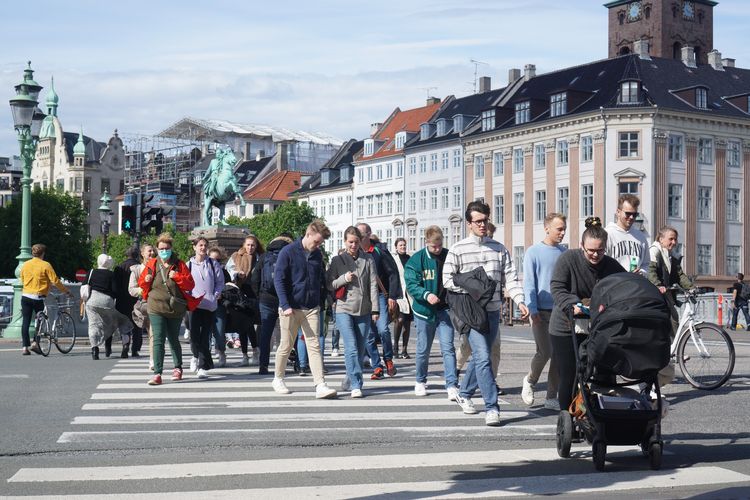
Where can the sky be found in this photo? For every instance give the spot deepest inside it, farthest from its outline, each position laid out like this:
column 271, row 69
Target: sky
column 332, row 66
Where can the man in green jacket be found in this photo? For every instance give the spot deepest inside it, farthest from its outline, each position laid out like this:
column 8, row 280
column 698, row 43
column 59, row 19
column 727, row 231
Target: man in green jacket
column 423, row 275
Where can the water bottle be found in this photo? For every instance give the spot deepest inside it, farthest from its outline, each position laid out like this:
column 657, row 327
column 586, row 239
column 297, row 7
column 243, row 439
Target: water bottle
column 633, row 263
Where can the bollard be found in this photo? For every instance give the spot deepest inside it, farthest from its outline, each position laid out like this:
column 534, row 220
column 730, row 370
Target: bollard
column 720, row 317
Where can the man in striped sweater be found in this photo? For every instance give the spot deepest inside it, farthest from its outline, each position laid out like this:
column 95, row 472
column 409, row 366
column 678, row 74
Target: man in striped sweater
column 479, row 250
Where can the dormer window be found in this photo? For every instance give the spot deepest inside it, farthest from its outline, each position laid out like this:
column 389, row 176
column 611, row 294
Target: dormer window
column 558, row 104
column 344, row 173
column 488, row 120
column 424, row 131
column 523, row 112
column 701, row 98
column 458, row 123
column 369, row 147
column 400, row 140
column 629, row 92
column 442, row 127
column 325, row 177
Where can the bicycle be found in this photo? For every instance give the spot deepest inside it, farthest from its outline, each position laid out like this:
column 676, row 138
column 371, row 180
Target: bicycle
column 703, row 350
column 63, row 330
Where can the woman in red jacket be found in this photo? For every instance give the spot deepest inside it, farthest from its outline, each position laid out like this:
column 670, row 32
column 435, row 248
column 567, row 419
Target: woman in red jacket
column 166, row 283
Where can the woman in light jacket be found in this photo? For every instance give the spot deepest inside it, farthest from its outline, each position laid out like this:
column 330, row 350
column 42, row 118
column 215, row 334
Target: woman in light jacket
column 352, row 279
column 104, row 319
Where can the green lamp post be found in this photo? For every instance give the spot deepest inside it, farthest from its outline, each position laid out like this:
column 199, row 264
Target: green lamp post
column 105, row 214
column 27, row 120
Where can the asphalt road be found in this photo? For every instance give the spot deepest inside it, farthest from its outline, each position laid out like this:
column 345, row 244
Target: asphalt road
column 75, row 427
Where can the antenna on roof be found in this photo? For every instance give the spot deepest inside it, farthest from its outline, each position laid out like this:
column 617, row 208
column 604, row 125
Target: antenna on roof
column 476, row 71
column 427, row 89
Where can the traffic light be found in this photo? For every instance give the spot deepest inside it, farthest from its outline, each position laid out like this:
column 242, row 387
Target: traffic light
column 127, row 219
column 151, row 218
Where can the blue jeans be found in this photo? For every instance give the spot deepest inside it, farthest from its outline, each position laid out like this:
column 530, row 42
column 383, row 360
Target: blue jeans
column 354, row 330
column 479, row 372
column 269, row 315
column 425, row 335
column 301, row 348
column 736, row 313
column 380, row 328
column 219, row 328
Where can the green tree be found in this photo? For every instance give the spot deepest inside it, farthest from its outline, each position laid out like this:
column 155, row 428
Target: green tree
column 290, row 216
column 57, row 221
column 118, row 244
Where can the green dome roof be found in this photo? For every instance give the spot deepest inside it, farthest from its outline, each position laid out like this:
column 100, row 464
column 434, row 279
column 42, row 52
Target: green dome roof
column 52, row 98
column 80, row 147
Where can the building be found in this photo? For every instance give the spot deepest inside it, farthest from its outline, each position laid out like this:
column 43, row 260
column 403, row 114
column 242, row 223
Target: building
column 77, row 164
column 10, row 179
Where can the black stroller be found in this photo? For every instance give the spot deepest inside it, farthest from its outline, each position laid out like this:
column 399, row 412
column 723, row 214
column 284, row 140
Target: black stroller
column 617, row 366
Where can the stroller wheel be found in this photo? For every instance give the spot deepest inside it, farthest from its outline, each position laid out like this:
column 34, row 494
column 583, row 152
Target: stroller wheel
column 564, row 433
column 600, row 453
column 654, row 456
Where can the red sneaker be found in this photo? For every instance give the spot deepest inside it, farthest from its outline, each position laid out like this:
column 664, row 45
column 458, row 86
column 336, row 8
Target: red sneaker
column 155, row 380
column 176, row 374
column 377, row 374
column 390, row 368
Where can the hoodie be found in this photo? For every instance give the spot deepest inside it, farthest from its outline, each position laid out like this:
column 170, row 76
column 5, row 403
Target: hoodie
column 628, row 246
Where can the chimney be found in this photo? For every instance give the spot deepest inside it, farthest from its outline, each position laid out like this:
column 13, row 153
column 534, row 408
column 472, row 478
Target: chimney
column 260, row 155
column 485, row 84
column 433, row 100
column 529, row 72
column 688, row 56
column 374, row 127
column 640, row 47
column 513, row 75
column 714, row 60
column 247, row 152
column 727, row 62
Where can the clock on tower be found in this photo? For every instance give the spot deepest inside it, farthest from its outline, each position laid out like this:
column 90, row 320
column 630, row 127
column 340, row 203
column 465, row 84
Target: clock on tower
column 634, row 11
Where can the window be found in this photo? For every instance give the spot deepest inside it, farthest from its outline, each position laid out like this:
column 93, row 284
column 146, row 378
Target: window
column 704, row 259
column 562, row 153
column 523, row 112
column 257, row 208
column 704, row 202
column 360, row 206
column 701, row 98
column 421, row 237
column 379, row 204
column 499, row 209
column 433, row 199
column 558, row 104
column 412, row 201
column 456, row 232
column 361, row 175
column 629, row 92
column 423, row 200
column 400, row 140
column 705, row 151
column 433, row 162
column 628, row 145
column 340, row 204
column 458, row 123
column 733, row 260
column 540, row 158
column 344, row 174
column 587, row 148
column 541, row 205
column 105, row 186
column 628, row 187
column 348, row 209
column 379, row 171
column 388, row 237
column 399, row 169
column 71, row 184
column 488, row 120
column 497, row 163
column 518, row 161
column 388, row 170
column 369, row 147
column 424, row 131
column 399, row 202
column 563, row 203
column 587, row 200
column 676, row 146
column 331, row 206
column 457, row 162
column 423, row 163
column 339, row 240
column 87, row 185
column 733, row 154
column 370, row 206
column 322, row 207
column 59, row 184
column 733, row 204
column 413, row 165
column 369, row 173
column 674, row 201
column 444, row 198
column 442, row 127
column 413, row 238
column 456, row 196
column 478, row 167
column 518, row 253
column 445, row 161
column 518, row 208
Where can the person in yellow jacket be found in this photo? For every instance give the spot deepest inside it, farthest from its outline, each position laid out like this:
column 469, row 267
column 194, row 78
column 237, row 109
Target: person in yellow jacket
column 36, row 276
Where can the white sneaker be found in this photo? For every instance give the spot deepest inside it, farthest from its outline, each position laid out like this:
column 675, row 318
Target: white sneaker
column 452, row 393
column 151, row 364
column 551, row 404
column 346, row 384
column 492, row 418
column 335, row 353
column 466, row 405
column 186, row 335
column 222, row 362
column 322, row 391
column 202, row 373
column 245, row 360
column 527, row 392
column 279, row 386
column 194, row 365
column 420, row 389
column 356, row 393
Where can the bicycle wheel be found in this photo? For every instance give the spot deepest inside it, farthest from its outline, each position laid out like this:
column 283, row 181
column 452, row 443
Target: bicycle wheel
column 65, row 332
column 42, row 335
column 706, row 357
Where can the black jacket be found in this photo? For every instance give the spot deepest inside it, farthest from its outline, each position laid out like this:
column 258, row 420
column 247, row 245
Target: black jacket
column 124, row 302
column 274, row 247
column 469, row 310
column 387, row 270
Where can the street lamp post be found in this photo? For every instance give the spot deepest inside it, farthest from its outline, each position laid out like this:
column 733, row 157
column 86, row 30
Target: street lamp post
column 27, row 120
column 105, row 214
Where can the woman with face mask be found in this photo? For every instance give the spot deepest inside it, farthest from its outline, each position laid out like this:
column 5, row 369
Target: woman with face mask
column 166, row 283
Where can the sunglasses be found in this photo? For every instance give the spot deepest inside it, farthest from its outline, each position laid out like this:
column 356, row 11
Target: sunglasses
column 630, row 214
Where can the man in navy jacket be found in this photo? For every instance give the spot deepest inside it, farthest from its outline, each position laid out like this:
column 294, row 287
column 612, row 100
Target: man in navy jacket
column 298, row 278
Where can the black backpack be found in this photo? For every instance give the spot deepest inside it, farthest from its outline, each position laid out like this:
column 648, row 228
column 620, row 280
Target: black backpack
column 630, row 328
column 267, row 270
column 744, row 292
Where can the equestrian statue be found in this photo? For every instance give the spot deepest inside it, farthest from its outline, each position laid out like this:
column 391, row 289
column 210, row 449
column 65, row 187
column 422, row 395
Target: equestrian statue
column 220, row 185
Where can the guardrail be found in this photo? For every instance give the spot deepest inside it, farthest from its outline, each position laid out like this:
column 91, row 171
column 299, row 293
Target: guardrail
column 716, row 308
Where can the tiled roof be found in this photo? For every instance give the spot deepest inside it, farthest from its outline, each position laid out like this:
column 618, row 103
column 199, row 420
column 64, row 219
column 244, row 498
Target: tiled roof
column 275, row 187
column 409, row 121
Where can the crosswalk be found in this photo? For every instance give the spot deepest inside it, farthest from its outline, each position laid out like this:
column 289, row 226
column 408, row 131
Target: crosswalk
column 388, row 443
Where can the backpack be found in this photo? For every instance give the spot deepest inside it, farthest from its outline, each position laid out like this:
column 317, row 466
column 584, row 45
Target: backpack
column 266, row 274
column 744, row 292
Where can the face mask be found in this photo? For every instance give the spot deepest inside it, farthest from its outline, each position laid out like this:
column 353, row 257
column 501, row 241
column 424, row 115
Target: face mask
column 165, row 254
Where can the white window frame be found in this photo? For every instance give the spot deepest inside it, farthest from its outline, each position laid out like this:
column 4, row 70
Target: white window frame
column 518, row 161
column 705, row 151
column 412, row 202
column 434, row 162
column 733, row 254
column 558, row 104
column 676, row 147
column 444, row 198
column 587, row 200
column 674, row 201
column 629, row 92
column 497, row 164
column 540, row 203
column 523, row 112
column 518, row 208
column 457, row 158
column 388, row 203
column 422, row 164
column 629, row 143
column 540, row 157
column 733, row 205
column 444, row 160
column 563, row 200
column 734, row 154
column 399, row 202
column 488, row 120
column 348, row 203
column 456, row 196
column 479, row 166
column 423, row 200
column 701, row 98
column 704, row 202
column 704, row 260
column 433, row 199
column 499, row 209
column 413, row 165
column 562, row 153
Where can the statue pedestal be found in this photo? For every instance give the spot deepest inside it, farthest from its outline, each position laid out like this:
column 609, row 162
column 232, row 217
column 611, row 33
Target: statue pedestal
column 228, row 238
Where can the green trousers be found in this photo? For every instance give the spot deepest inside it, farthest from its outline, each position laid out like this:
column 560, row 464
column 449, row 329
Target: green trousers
column 165, row 329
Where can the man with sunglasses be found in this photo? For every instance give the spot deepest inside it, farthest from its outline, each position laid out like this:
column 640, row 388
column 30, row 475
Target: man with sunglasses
column 626, row 243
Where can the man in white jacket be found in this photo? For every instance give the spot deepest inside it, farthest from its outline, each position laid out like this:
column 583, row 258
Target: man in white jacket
column 626, row 243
